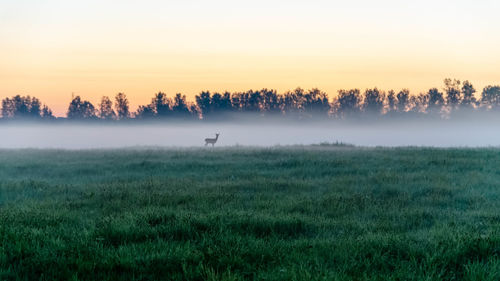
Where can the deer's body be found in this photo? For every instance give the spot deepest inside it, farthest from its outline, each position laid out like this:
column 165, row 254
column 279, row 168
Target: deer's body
column 211, row 141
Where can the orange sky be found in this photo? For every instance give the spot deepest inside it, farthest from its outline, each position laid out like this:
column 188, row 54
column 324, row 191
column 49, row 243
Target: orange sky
column 53, row 48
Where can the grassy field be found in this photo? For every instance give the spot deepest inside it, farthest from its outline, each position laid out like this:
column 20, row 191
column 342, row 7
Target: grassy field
column 289, row 213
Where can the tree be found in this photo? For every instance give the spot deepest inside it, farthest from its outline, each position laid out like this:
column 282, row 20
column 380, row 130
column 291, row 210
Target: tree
column 293, row 103
column 391, row 102
column 79, row 109
column 373, row 102
column 194, row 111
column 315, row 103
column 418, row 104
column 106, row 109
column 403, row 101
column 161, row 105
column 453, row 93
column 289, row 104
column 250, row 101
column 203, row 102
column 216, row 104
column 21, row 107
column 270, row 102
column 435, row 101
column 347, row 103
column 468, row 98
column 47, row 113
column 490, row 97
column 225, row 103
column 180, row 108
column 145, row 112
column 121, row 106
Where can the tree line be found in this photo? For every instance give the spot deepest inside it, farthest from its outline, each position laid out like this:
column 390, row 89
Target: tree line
column 298, row 104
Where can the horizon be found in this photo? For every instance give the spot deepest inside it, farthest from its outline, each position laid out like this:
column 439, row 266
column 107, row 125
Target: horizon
column 52, row 49
column 134, row 106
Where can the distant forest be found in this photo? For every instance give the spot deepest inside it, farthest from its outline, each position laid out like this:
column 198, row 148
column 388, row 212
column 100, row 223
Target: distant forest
column 299, row 104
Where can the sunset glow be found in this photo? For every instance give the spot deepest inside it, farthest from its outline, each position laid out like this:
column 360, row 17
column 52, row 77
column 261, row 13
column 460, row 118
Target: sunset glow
column 53, row 48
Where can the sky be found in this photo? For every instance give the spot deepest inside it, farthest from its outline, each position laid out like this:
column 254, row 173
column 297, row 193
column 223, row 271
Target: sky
column 53, row 49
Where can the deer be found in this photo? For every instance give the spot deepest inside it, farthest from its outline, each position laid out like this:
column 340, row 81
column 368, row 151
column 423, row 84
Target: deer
column 212, row 141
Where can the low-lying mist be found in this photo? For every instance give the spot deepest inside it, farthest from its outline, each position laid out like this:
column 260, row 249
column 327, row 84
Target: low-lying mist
column 438, row 133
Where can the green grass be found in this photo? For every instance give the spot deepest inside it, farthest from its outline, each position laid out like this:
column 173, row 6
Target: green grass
column 289, row 213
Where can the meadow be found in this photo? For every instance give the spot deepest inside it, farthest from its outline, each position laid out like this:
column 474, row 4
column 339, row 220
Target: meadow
column 326, row 212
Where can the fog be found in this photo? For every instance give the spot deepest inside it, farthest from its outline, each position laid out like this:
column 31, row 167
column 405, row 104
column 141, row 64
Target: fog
column 411, row 133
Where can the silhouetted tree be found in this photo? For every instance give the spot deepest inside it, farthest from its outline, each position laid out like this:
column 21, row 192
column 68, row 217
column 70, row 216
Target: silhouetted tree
column 490, row 97
column 47, row 113
column 418, row 104
column 203, row 101
column 250, row 101
column 435, row 101
column 235, row 102
column 34, row 107
column 106, row 109
column 468, row 98
column 21, row 107
column 161, row 105
column 270, row 103
column 373, row 102
column 453, row 93
column 403, row 101
column 216, row 104
column 293, row 103
column 225, row 103
column 347, row 103
column 121, row 106
column 315, row 104
column 79, row 109
column 145, row 112
column 194, row 111
column 180, row 108
column 391, row 99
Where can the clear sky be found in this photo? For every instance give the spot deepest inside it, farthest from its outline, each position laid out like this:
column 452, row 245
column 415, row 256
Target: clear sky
column 53, row 48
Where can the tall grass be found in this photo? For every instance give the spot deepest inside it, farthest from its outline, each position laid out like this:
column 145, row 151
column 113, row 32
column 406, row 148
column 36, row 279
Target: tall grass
column 296, row 213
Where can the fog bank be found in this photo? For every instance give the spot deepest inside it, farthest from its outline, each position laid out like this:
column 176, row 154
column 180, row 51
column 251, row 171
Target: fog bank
column 80, row 136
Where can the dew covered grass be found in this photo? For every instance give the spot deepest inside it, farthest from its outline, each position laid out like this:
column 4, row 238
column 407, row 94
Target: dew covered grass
column 282, row 213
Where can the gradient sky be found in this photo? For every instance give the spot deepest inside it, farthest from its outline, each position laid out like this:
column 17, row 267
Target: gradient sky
column 53, row 48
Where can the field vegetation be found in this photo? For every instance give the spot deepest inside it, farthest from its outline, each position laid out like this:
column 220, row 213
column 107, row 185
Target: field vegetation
column 326, row 212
